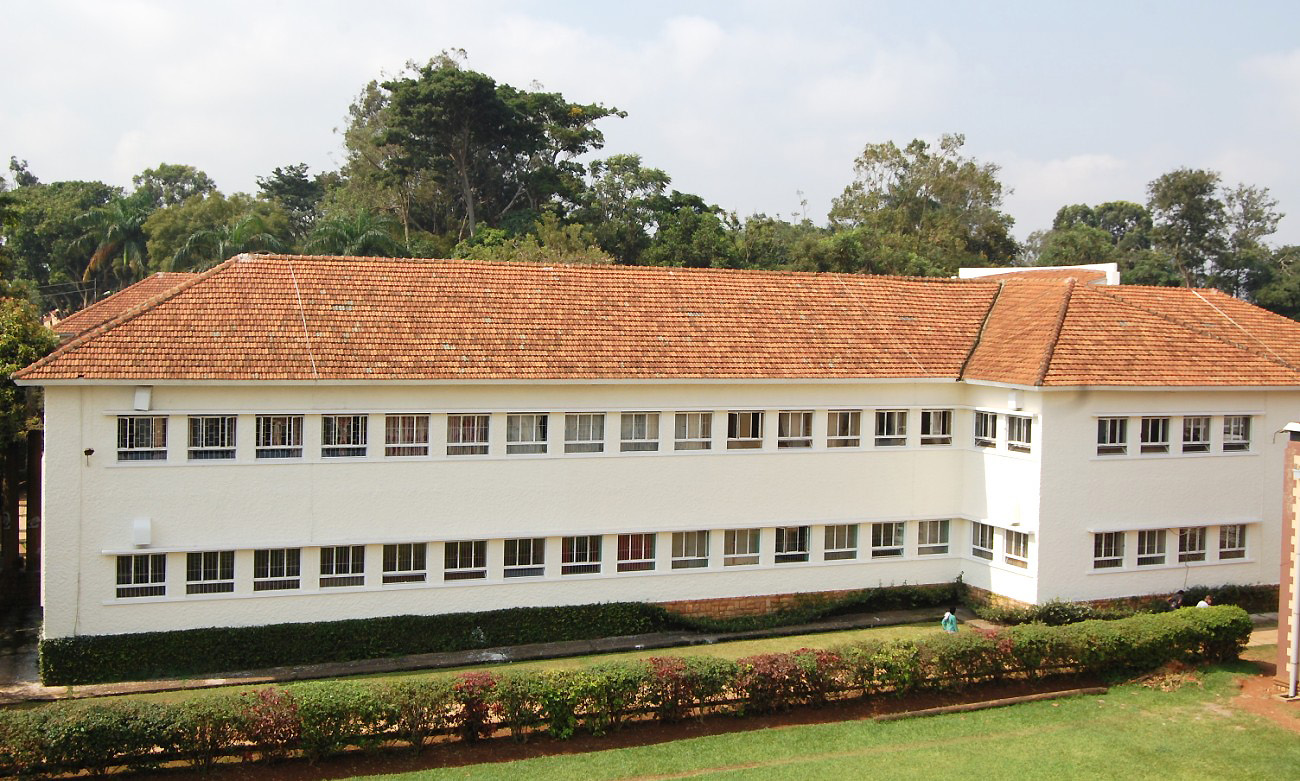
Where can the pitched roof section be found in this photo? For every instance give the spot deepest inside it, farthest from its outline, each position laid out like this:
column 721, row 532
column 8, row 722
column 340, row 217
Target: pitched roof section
column 120, row 302
column 1089, row 276
column 286, row 318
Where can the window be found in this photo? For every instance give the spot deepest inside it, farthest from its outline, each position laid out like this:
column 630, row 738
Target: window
column 279, row 436
column 464, row 560
column 1151, row 547
column 212, row 437
column 886, row 540
column 141, row 438
column 1107, row 550
column 276, row 569
column 640, row 432
column 525, row 558
column 1191, row 544
column 210, row 572
column 526, row 432
column 739, row 547
column 406, row 435
column 932, row 537
column 584, row 432
column 986, row 429
column 405, row 562
column 981, row 540
column 791, row 544
column 891, row 427
column 936, row 427
column 636, row 552
column 1236, row 433
column 1112, row 437
column 844, row 428
column 744, row 430
column 467, row 435
column 343, row 436
column 693, row 431
column 1017, row 553
column 841, row 542
column 1155, row 435
column 1020, row 433
column 1196, row 435
column 690, row 550
column 142, row 575
column 580, row 555
column 794, row 429
column 1232, row 541
column 343, row 565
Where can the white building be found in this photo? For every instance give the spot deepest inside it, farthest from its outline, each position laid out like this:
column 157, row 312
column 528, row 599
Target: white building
column 300, row 439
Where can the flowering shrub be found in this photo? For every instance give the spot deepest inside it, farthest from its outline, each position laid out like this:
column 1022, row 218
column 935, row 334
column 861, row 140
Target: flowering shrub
column 472, row 693
column 271, row 722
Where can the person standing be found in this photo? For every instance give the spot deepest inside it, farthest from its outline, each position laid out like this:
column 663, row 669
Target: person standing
column 949, row 621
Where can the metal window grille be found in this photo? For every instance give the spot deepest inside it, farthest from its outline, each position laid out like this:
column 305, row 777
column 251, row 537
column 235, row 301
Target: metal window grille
column 636, row 552
column 212, row 437
column 142, row 575
column 406, row 435
column 464, row 560
column 279, row 436
column 277, row 569
column 141, row 438
column 525, row 558
column 467, row 435
column 210, row 572
column 343, row 436
column 580, row 555
column 343, row 565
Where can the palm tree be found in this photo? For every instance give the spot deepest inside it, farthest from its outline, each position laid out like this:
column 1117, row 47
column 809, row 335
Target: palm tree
column 206, row 248
column 362, row 234
column 116, row 230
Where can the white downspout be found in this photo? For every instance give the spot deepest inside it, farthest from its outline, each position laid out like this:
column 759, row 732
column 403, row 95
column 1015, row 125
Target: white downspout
column 1295, row 597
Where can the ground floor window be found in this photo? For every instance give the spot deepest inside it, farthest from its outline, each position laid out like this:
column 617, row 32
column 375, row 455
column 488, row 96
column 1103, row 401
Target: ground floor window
column 210, row 572
column 690, row 550
column 932, row 537
column 1107, row 550
column 1017, row 553
column 740, row 547
column 277, row 568
column 406, row 435
column 981, row 540
column 791, row 544
column 405, row 562
column 636, row 552
column 464, row 560
column 886, row 540
column 580, row 555
column 278, row 436
column 142, row 575
column 343, row 565
column 343, row 436
column 1191, row 544
column 841, row 542
column 525, row 558
column 1232, row 541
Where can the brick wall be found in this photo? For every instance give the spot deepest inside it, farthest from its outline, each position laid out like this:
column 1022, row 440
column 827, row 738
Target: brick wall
column 1289, row 543
column 986, row 598
column 736, row 607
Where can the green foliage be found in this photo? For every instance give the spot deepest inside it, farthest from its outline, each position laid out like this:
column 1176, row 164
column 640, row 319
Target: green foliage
column 23, row 340
column 336, row 714
column 171, row 184
column 43, row 233
column 361, row 234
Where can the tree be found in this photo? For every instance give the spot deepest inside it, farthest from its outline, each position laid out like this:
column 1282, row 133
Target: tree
column 1189, row 221
column 23, row 177
column 171, row 184
column 618, row 204
column 116, row 231
column 296, row 193
column 689, row 232
column 552, row 241
column 205, row 248
column 1247, row 262
column 931, row 202
column 362, row 234
column 43, row 233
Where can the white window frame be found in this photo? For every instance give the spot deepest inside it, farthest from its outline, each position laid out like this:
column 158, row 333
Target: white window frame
column 844, row 428
column 580, row 554
column 744, row 429
column 693, row 431
column 741, row 547
column 1015, row 546
column 342, row 565
column 888, row 539
column 1236, row 433
column 891, row 428
column 932, row 537
column 936, row 427
column 981, row 540
column 1152, row 547
column 1020, row 433
column 794, row 428
column 1232, row 541
column 344, row 436
column 1196, row 434
column 841, row 542
column 525, row 557
column 690, row 550
column 406, row 562
column 1112, row 436
column 467, row 433
column 1192, row 544
column 636, row 552
column 141, row 437
column 210, row 572
column 584, row 432
column 526, row 432
column 212, row 437
column 638, row 432
column 1154, row 435
column 1108, row 550
column 278, row 436
column 277, row 569
column 406, row 435
column 464, row 560
column 141, row 575
column 793, row 544
column 986, row 429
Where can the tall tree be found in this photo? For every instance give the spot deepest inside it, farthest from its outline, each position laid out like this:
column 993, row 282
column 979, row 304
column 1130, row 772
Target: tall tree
column 618, row 204
column 298, row 194
column 43, row 235
column 208, row 247
column 1189, row 221
column 171, row 184
column 1247, row 262
column 116, row 233
column 361, row 234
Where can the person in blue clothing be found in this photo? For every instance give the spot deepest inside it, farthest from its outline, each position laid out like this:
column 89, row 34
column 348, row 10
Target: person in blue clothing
column 949, row 620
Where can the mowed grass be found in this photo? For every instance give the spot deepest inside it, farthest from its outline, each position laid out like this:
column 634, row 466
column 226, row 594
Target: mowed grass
column 1131, row 732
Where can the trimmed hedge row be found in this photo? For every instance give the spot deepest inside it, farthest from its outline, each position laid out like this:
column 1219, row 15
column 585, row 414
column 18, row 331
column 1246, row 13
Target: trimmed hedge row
column 1254, row 599
column 317, row 719
column 148, row 655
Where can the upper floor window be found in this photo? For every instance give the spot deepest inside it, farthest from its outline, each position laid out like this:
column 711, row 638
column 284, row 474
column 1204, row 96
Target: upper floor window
column 844, row 428
column 467, row 435
column 1017, row 548
column 886, row 539
column 141, row 438
column 936, row 427
column 1107, row 550
column 276, row 568
column 1191, row 544
column 584, row 432
column 744, row 430
column 1155, row 435
column 1236, row 432
column 525, row 558
column 636, row 552
column 279, row 436
column 580, row 555
column 986, row 429
column 640, row 432
column 406, row 562
column 841, row 542
column 891, row 427
column 526, row 432
column 794, row 429
column 693, row 431
column 343, row 436
column 1151, row 547
column 791, row 544
column 210, row 572
column 690, row 550
column 1112, row 436
column 343, row 565
column 142, row 575
column 932, row 537
column 464, row 560
column 981, row 540
column 740, row 547
column 212, row 437
column 1020, row 433
column 406, row 435
column 1232, row 541
column 1196, row 434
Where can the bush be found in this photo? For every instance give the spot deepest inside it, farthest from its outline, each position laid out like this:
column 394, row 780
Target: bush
column 270, row 721
column 472, row 695
column 417, row 710
column 336, row 714
column 675, row 686
column 205, row 728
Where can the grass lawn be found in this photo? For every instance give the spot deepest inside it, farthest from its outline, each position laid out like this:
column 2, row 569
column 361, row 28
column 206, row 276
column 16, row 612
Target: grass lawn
column 1132, row 732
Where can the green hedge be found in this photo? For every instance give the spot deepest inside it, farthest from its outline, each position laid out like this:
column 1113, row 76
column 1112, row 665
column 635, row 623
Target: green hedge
column 149, row 655
column 1253, row 599
column 320, row 718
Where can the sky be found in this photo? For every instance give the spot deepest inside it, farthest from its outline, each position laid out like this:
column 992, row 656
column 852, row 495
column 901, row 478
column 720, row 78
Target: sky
column 759, row 107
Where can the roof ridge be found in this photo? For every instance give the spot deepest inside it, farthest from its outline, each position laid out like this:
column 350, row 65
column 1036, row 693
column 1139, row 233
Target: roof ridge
column 1267, row 356
column 979, row 334
column 1050, row 353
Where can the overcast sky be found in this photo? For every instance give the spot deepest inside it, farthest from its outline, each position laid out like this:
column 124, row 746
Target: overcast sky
column 747, row 104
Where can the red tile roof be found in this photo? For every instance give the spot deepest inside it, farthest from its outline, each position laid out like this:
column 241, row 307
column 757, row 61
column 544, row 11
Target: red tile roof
column 122, row 301
column 268, row 317
column 1090, row 276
